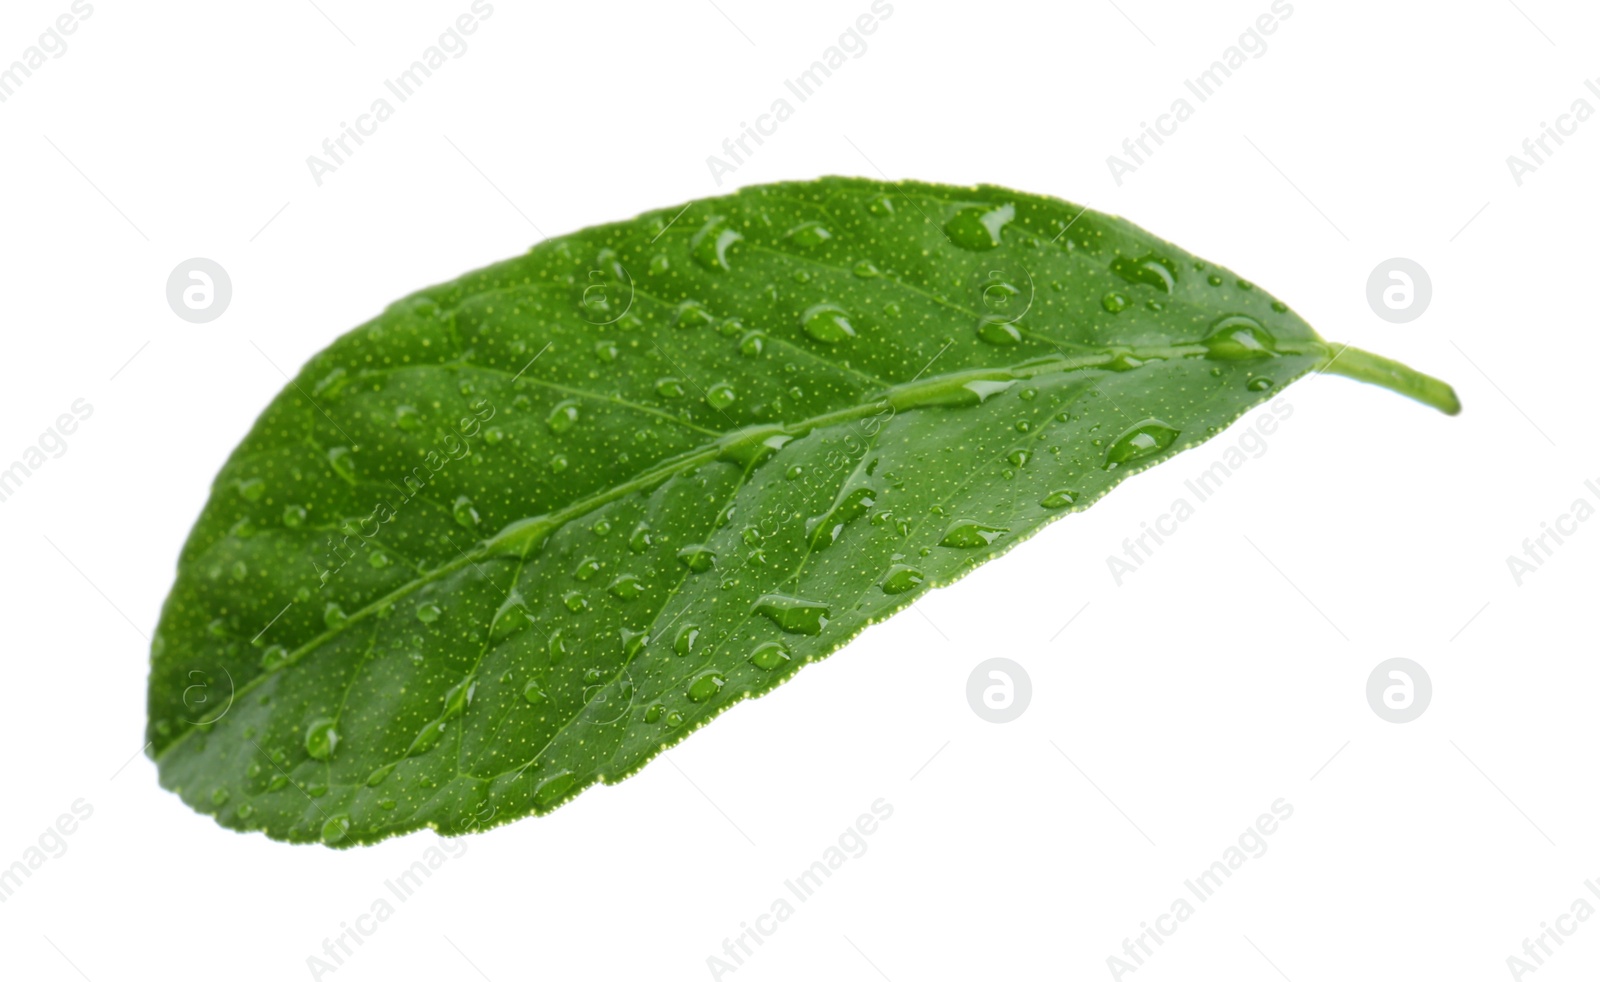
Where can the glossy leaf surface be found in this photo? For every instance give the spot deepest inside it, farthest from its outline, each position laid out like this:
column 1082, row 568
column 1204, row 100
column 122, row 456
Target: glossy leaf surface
column 525, row 529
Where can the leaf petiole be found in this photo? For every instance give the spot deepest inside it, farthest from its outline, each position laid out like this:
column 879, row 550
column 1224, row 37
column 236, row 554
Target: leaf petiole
column 1364, row 366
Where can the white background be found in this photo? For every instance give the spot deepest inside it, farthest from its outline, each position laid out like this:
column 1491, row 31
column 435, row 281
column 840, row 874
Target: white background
column 1227, row 673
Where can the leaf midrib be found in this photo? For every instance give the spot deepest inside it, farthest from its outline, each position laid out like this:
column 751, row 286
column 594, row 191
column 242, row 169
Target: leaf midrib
column 707, row 453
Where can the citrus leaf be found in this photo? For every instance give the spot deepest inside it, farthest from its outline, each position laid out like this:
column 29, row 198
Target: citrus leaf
column 526, row 529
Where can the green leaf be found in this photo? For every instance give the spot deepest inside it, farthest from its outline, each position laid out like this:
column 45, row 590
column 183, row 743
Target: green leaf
column 526, row 529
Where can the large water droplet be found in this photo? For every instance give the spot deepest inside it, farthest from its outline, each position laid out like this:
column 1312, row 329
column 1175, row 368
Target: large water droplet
column 770, row 655
column 427, row 737
column 562, row 416
column 827, row 323
column 335, row 829
column 251, row 489
column 534, row 691
column 510, row 618
column 465, row 514
column 427, row 613
column 552, row 788
column 711, row 243
column 684, row 643
column 1239, row 338
column 626, row 587
column 1149, row 270
column 902, row 578
column 984, row 388
column 1059, row 499
column 633, row 641
column 669, row 388
column 852, row 503
column 794, row 615
column 809, row 234
column 334, row 617
column 967, row 534
column 697, row 557
column 1143, row 439
column 721, row 395
column 342, row 463
column 706, row 686
column 459, row 697
column 998, row 330
column 978, row 227
column 691, row 314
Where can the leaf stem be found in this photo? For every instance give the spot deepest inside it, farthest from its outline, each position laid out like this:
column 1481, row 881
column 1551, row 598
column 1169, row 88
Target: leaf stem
column 1364, row 366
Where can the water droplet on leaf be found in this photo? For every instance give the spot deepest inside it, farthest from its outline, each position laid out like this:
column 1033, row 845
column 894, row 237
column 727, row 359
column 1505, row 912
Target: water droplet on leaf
column 709, row 246
column 998, row 330
column 1239, row 338
column 706, row 686
column 967, row 534
column 902, row 578
column 827, row 323
column 979, row 227
column 794, row 615
column 809, row 234
column 562, row 416
column 1059, row 499
column 770, row 655
column 322, row 738
column 697, row 557
column 1143, row 439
